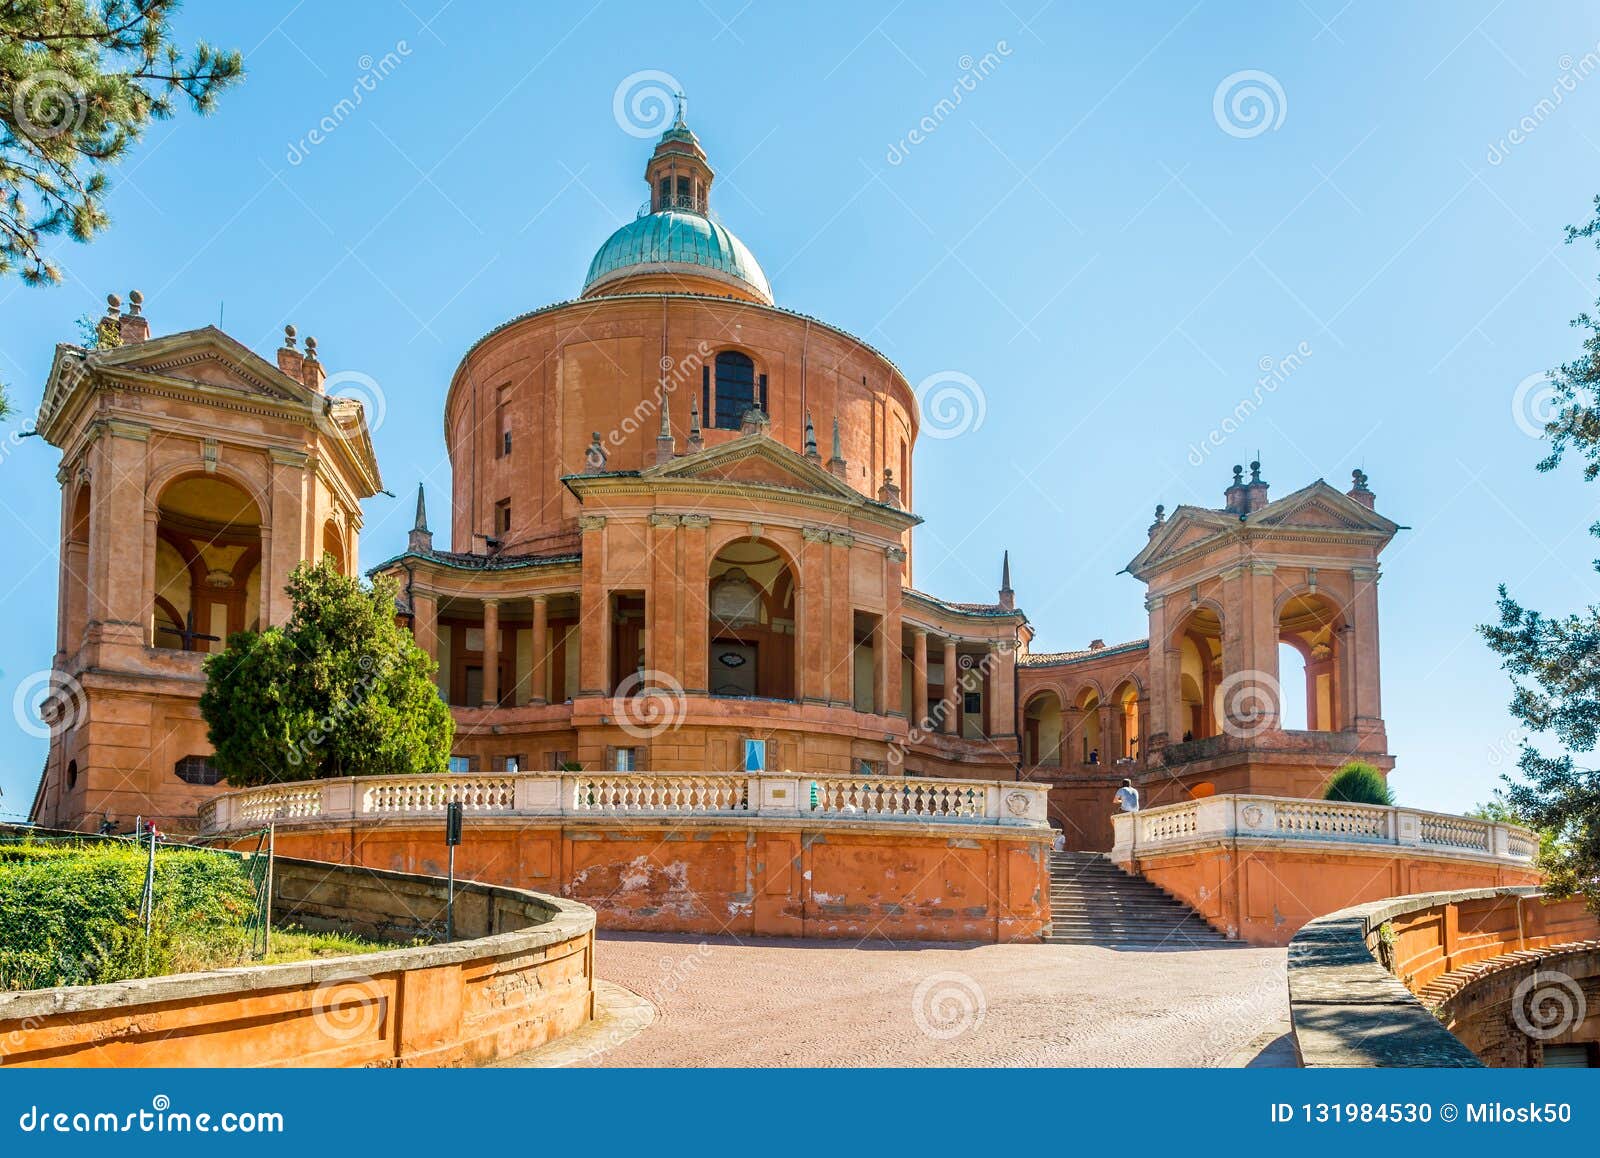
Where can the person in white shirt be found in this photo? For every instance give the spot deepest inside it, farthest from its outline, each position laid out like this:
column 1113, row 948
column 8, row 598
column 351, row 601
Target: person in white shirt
column 1128, row 797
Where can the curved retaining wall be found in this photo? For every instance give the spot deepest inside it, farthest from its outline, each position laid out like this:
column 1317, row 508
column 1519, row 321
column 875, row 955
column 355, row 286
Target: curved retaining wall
column 939, row 881
column 524, row 977
column 1353, row 974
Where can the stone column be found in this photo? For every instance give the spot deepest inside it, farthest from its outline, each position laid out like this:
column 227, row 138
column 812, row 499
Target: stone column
column 696, row 609
column 661, row 635
column 952, row 689
column 540, row 676
column 919, row 676
column 1107, row 755
column 1366, row 711
column 594, row 610
column 425, row 623
column 1002, row 690
column 118, row 495
column 893, row 687
column 812, row 622
column 491, row 653
column 841, row 620
column 287, row 497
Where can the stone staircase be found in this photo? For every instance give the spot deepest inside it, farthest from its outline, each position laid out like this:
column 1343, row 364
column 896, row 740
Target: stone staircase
column 1093, row 902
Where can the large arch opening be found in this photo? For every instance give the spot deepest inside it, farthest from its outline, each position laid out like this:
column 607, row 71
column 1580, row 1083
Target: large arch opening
column 1199, row 675
column 333, row 546
column 75, row 564
column 1086, row 706
column 1041, row 731
column 1126, row 713
column 1308, row 657
column 208, row 565
column 751, row 596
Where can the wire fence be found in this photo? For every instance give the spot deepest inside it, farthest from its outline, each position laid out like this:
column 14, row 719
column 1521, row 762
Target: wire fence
column 84, row 909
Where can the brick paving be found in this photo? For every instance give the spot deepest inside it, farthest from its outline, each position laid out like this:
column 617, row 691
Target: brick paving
column 829, row 1003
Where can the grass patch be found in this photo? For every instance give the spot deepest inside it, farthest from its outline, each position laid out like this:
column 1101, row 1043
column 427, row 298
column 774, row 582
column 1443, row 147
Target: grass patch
column 292, row 943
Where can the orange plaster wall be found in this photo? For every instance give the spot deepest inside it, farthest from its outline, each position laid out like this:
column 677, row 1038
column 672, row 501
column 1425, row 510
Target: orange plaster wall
column 1443, row 938
column 733, row 879
column 1264, row 897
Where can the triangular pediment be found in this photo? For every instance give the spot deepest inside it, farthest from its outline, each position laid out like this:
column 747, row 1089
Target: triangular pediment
column 207, row 358
column 755, row 460
column 1321, row 507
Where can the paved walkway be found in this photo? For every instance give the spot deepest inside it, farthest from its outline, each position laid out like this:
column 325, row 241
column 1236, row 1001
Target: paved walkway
column 829, row 1003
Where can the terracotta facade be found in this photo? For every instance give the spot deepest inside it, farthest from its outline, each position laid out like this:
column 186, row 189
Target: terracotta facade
column 681, row 522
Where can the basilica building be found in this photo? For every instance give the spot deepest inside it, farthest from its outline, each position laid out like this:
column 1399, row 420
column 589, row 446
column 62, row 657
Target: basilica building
column 681, row 529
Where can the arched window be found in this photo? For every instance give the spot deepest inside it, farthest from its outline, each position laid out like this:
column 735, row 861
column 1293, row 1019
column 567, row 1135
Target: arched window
column 736, row 385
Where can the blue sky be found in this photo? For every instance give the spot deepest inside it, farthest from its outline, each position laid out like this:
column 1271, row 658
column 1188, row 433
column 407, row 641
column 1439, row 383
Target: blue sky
column 1109, row 258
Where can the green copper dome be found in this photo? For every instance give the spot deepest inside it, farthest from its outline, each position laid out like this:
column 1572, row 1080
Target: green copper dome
column 675, row 240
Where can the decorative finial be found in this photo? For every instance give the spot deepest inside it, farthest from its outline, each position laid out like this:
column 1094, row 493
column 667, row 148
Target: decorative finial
column 595, row 456
column 1005, row 571
column 1359, row 477
column 683, row 102
column 311, row 348
column 135, row 301
column 666, row 422
column 421, row 523
column 694, row 419
column 1238, row 475
column 1255, row 470
column 1161, row 518
column 837, row 451
column 289, row 337
column 811, row 437
column 113, row 304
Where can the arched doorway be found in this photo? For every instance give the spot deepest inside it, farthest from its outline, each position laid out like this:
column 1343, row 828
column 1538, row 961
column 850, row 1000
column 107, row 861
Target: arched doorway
column 1309, row 654
column 1199, row 643
column 75, row 567
column 1086, row 706
column 1041, row 731
column 333, row 546
column 208, row 564
column 751, row 597
column 1130, row 735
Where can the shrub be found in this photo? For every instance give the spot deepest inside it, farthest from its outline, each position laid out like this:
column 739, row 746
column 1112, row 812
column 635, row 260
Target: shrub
column 1359, row 783
column 70, row 915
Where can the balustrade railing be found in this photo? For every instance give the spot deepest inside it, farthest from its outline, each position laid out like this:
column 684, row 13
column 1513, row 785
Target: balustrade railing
column 591, row 795
column 1291, row 820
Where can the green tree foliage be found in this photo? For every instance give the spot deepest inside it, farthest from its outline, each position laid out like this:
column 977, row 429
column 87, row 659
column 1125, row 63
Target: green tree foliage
column 80, row 81
column 1554, row 662
column 338, row 690
column 1359, row 783
column 1497, row 809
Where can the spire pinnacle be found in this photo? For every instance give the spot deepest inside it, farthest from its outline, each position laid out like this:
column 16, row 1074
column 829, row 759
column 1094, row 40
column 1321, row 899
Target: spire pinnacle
column 420, row 540
column 1008, row 597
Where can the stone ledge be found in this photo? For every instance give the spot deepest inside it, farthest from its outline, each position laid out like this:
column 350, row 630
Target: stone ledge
column 1348, row 1010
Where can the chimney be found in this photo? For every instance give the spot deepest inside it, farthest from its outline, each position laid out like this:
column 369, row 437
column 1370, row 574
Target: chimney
column 836, row 464
column 1008, row 597
column 135, row 326
column 421, row 539
column 1256, row 496
column 888, row 493
column 1236, row 498
column 290, row 360
column 312, row 373
column 1359, row 491
column 108, row 331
